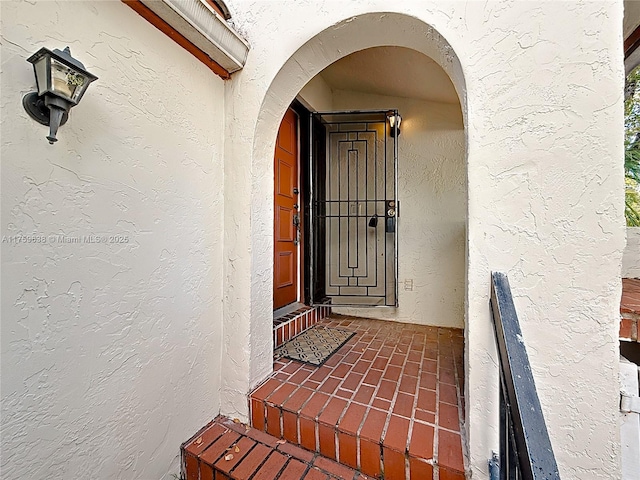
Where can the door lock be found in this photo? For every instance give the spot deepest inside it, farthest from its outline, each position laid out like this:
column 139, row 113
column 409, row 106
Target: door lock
column 391, row 214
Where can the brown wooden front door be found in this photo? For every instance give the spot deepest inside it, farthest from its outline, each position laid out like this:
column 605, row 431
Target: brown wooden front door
column 286, row 213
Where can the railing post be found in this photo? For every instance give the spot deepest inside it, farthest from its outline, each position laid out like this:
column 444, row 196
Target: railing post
column 525, row 447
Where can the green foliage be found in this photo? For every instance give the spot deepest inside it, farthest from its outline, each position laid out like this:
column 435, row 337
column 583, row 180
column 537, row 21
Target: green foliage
column 632, row 203
column 632, row 148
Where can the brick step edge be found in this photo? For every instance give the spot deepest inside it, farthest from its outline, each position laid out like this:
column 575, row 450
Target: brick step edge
column 630, row 327
column 382, row 461
column 227, row 449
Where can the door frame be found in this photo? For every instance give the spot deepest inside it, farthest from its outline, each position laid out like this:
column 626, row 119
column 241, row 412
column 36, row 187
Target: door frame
column 303, row 118
column 318, row 161
column 303, row 115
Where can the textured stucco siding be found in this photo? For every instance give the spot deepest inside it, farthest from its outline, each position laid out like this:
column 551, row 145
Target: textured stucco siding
column 110, row 350
column 542, row 106
column 631, row 257
column 112, row 353
column 432, row 188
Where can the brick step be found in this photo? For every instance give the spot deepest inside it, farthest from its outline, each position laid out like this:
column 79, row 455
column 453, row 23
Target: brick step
column 630, row 310
column 388, row 403
column 289, row 325
column 380, row 444
column 225, row 450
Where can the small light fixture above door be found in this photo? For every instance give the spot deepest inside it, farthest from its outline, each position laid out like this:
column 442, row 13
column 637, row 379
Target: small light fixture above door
column 394, row 123
column 61, row 81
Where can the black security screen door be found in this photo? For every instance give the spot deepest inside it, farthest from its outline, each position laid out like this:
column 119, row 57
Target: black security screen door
column 354, row 209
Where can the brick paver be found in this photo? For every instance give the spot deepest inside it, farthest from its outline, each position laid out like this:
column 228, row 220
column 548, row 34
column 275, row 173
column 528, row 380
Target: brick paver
column 380, row 404
column 630, row 309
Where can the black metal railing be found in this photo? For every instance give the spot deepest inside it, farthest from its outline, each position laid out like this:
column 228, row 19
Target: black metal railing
column 525, row 448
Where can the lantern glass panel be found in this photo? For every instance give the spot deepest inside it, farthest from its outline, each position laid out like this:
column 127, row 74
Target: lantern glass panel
column 40, row 67
column 393, row 119
column 66, row 82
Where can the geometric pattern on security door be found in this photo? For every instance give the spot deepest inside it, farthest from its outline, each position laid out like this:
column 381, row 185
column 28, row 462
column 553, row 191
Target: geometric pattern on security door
column 354, row 209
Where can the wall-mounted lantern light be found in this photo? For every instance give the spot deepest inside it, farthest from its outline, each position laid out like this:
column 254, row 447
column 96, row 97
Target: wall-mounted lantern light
column 394, row 123
column 61, row 82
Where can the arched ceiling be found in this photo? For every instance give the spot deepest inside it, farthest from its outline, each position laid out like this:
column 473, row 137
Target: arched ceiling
column 393, row 71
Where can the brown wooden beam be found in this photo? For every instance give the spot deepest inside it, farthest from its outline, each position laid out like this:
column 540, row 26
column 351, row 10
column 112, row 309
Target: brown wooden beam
column 217, row 8
column 146, row 13
column 632, row 42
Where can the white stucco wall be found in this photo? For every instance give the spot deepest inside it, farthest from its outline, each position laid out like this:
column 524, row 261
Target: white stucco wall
column 432, row 192
column 110, row 351
column 631, row 257
column 543, row 117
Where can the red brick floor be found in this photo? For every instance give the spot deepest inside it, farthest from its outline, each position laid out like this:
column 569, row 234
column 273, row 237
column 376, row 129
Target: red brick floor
column 226, row 450
column 630, row 309
column 389, row 403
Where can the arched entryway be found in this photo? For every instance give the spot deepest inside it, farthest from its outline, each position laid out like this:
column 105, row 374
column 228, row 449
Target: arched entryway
column 356, row 39
column 428, row 173
column 248, row 311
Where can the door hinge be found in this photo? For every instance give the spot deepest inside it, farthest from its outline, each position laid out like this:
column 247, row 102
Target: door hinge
column 296, row 224
column 629, row 404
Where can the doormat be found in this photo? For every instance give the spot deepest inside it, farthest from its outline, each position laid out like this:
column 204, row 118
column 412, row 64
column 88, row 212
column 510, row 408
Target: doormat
column 315, row 345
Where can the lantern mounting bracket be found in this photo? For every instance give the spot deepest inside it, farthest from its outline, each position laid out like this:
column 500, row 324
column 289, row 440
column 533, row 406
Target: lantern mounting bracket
column 36, row 108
